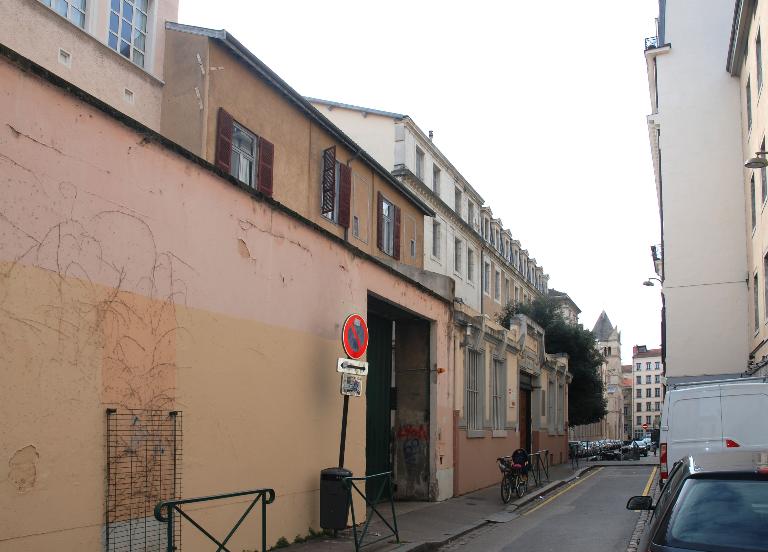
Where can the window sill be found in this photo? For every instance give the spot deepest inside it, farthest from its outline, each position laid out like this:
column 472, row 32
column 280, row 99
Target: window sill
column 499, row 433
column 475, row 434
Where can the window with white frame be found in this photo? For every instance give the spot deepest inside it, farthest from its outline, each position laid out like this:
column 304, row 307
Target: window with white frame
column 487, row 277
column 499, row 418
column 74, row 10
column 457, row 201
column 244, row 155
column 388, row 227
column 470, row 265
column 436, row 179
column 457, row 247
column 639, row 366
column 435, row 239
column 419, row 164
column 128, row 29
column 473, row 409
column 507, row 297
column 470, row 213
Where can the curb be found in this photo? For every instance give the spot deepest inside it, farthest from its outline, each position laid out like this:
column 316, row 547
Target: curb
column 430, row 546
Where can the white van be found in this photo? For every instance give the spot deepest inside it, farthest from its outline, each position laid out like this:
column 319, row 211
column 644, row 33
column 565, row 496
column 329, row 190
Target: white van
column 712, row 415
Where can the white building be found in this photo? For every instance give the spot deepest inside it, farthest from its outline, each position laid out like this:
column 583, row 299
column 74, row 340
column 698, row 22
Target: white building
column 695, row 135
column 647, row 389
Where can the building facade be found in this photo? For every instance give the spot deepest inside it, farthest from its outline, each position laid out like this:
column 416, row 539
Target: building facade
column 705, row 296
column 565, row 306
column 626, row 393
column 647, row 389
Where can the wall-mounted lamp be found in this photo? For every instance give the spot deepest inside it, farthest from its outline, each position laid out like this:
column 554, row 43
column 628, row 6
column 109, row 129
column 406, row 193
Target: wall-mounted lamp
column 651, row 284
column 757, row 162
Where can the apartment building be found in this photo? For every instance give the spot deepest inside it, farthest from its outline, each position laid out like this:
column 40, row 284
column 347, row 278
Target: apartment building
column 565, row 305
column 112, row 49
column 745, row 63
column 695, row 133
column 647, row 389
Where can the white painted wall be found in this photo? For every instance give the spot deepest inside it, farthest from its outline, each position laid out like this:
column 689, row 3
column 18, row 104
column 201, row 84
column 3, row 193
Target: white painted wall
column 703, row 200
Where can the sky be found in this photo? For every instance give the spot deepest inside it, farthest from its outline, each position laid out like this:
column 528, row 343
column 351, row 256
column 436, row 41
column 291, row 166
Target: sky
column 540, row 105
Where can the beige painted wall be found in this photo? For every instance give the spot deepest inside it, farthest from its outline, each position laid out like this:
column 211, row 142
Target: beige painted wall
column 123, row 261
column 37, row 32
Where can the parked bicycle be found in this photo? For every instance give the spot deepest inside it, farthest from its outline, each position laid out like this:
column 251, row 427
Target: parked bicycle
column 514, row 474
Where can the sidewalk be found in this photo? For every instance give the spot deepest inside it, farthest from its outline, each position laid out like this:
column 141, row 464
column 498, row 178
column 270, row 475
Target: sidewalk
column 429, row 525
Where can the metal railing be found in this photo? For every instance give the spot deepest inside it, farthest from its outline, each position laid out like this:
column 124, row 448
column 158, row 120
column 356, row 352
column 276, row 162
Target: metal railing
column 164, row 513
column 539, row 466
column 370, row 508
column 651, row 42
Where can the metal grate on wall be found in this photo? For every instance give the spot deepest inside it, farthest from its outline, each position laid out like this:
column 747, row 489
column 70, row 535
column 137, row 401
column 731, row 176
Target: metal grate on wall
column 143, row 468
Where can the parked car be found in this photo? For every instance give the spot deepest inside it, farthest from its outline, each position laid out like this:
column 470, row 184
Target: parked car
column 713, row 502
column 643, row 447
column 711, row 415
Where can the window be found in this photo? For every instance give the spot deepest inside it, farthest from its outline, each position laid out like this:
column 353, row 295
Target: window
column 639, row 420
column 756, row 302
column 657, row 391
column 487, row 278
column 473, row 409
column 517, row 294
column 457, row 201
column 356, row 230
column 647, row 365
column 638, row 407
column 639, row 393
column 499, row 393
column 457, row 255
column 335, row 189
column 657, row 379
column 763, row 178
column 470, row 213
column 648, row 406
column 648, row 392
column 128, row 29
column 656, row 405
column 486, row 228
column 419, row 167
column 388, row 227
column 658, row 365
column 435, row 178
column 470, row 265
column 748, row 94
column 435, row 239
column 497, row 285
column 639, row 380
column 759, row 62
column 74, row 10
column 413, row 249
column 507, row 298
column 242, row 154
column 639, row 366
column 648, row 420
column 648, row 378
column 752, row 201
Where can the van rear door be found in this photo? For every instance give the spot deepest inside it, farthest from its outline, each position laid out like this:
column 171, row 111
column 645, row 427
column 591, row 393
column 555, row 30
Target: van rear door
column 744, row 409
column 694, row 421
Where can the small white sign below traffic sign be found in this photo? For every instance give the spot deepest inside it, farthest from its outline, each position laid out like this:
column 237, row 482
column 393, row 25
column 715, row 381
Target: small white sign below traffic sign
column 349, row 366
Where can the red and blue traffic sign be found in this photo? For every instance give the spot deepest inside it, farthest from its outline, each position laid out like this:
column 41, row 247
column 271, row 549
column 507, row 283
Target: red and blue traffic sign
column 354, row 336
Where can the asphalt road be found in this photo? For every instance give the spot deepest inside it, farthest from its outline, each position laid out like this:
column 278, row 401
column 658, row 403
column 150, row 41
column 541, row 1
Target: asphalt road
column 587, row 515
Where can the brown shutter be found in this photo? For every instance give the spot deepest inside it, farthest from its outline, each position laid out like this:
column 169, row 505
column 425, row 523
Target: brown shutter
column 345, row 194
column 224, row 141
column 379, row 221
column 329, row 181
column 396, row 236
column 266, row 164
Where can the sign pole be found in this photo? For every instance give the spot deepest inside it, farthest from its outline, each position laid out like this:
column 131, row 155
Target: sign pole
column 343, row 444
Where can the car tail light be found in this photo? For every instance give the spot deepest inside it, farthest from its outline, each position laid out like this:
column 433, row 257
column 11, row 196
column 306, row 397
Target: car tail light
column 730, row 443
column 663, row 460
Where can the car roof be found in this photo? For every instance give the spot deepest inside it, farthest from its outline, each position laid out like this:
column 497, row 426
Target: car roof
column 732, row 460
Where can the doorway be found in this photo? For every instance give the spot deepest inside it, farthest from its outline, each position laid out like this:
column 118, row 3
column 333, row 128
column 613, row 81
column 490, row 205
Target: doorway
column 525, row 418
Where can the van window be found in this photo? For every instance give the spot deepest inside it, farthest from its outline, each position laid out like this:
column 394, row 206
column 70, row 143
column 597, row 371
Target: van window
column 695, row 419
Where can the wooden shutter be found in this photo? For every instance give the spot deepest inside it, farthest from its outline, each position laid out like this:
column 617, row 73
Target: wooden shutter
column 266, row 164
column 396, row 236
column 329, row 181
column 379, row 221
column 224, row 128
column 345, row 194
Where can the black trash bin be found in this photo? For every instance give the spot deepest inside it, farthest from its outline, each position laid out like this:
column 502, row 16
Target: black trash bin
column 334, row 498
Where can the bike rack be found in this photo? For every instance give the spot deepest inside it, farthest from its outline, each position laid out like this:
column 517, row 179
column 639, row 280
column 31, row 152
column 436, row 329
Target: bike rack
column 370, row 508
column 266, row 496
column 539, row 465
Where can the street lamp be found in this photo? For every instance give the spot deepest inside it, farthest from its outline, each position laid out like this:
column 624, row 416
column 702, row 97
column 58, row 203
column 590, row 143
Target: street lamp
column 648, row 282
column 757, row 162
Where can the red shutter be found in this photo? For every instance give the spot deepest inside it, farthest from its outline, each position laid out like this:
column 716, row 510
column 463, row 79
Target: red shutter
column 396, row 236
column 379, row 221
column 266, row 164
column 329, row 181
column 345, row 194
column 224, row 141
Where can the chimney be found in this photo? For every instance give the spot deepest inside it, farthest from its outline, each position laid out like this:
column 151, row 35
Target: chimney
column 431, row 135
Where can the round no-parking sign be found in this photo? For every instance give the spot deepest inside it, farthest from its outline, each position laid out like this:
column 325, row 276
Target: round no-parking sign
column 354, row 336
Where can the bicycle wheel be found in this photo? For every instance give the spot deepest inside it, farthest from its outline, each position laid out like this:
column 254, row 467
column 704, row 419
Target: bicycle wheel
column 506, row 489
column 521, row 486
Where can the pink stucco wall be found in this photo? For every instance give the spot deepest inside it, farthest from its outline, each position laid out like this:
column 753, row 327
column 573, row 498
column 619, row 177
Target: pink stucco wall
column 121, row 260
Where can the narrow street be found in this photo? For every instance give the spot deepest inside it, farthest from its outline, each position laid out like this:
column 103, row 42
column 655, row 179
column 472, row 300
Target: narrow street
column 586, row 515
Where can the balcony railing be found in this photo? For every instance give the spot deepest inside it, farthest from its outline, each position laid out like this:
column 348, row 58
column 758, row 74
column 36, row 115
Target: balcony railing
column 651, row 42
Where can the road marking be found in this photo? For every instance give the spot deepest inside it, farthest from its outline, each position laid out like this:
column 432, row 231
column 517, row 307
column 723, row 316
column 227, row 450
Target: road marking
column 650, row 481
column 553, row 497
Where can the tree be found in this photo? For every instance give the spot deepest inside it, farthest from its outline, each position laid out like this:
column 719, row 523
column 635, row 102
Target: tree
column 586, row 402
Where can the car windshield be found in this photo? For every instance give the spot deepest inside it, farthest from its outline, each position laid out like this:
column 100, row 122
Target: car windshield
column 716, row 515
